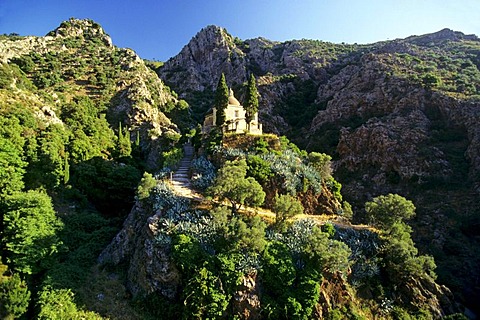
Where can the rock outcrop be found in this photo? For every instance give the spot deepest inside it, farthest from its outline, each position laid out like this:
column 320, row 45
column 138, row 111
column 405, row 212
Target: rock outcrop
column 150, row 268
column 199, row 65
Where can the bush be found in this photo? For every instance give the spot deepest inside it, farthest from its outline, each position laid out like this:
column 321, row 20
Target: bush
column 58, row 304
column 172, row 157
column 286, row 206
column 14, row 295
column 30, row 229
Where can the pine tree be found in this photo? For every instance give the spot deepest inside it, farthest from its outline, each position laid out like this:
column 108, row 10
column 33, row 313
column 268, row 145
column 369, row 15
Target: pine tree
column 221, row 101
column 251, row 101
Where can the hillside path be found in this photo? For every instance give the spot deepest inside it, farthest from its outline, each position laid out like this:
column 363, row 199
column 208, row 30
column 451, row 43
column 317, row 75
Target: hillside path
column 180, row 179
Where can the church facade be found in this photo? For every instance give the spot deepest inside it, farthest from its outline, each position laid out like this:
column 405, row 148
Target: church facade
column 235, row 121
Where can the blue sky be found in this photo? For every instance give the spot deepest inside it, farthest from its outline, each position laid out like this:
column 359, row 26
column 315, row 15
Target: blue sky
column 158, row 29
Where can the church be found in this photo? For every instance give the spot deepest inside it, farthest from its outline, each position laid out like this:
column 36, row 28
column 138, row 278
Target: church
column 234, row 119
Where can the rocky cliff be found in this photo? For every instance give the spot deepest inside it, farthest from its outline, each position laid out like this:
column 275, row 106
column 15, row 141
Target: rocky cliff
column 397, row 116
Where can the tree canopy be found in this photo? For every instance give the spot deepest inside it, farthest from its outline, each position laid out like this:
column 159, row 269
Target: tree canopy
column 29, row 231
column 231, row 184
column 385, row 211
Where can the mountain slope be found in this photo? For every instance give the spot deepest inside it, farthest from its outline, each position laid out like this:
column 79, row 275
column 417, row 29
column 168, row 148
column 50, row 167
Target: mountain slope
column 397, row 116
column 78, row 60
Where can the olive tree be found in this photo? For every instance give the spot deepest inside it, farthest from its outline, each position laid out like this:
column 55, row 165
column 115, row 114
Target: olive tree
column 231, row 184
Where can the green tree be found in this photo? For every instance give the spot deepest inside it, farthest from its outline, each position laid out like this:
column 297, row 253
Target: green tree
column 258, row 168
column 58, row 304
column 221, row 101
column 47, row 169
column 146, row 185
column 14, row 295
column 12, row 168
column 204, row 296
column 124, row 145
column 251, row 101
column 286, row 206
column 231, row 184
column 66, row 170
column 401, row 256
column 248, row 237
column 30, row 231
column 384, row 211
column 322, row 163
column 326, row 255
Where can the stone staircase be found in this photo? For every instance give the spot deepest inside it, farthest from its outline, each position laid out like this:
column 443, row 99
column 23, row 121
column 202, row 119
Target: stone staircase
column 180, row 178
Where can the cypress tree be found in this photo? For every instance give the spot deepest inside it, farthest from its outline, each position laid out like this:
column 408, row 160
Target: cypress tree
column 137, row 140
column 251, row 101
column 66, row 170
column 221, row 101
column 120, row 133
column 124, row 145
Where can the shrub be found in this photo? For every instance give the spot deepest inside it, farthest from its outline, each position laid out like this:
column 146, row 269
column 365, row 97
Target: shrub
column 286, row 206
column 14, row 295
column 172, row 157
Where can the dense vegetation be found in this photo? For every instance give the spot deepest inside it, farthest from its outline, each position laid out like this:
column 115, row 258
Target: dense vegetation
column 69, row 167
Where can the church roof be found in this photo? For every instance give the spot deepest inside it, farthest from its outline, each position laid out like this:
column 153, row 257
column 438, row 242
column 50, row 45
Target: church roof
column 232, row 100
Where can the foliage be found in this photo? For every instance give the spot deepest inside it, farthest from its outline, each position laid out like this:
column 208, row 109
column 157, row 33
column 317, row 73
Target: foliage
column 58, row 304
column 11, row 175
column 231, row 184
column 47, row 168
column 385, row 211
column 29, row 231
column 335, row 187
column 172, row 157
column 124, row 145
column 329, row 255
column 145, row 186
column 322, row 163
column 221, row 101
column 14, row 295
column 258, row 168
column 251, row 100
column 90, row 132
column 286, row 206
column 107, row 184
column 365, row 246
column 204, row 297
column 292, row 174
column 401, row 255
column 347, row 210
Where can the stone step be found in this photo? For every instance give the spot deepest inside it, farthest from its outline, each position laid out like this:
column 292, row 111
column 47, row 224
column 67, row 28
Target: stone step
column 181, row 176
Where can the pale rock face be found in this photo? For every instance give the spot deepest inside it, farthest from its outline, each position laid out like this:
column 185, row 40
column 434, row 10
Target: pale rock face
column 211, row 52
